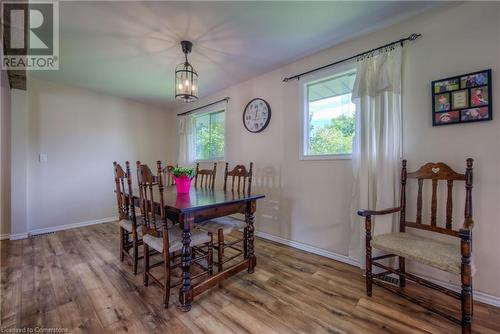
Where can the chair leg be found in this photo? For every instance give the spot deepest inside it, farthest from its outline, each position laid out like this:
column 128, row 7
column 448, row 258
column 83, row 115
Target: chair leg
column 210, row 256
column 220, row 250
column 146, row 265
column 245, row 242
column 466, row 279
column 368, row 237
column 135, row 252
column 402, row 279
column 122, row 241
column 166, row 285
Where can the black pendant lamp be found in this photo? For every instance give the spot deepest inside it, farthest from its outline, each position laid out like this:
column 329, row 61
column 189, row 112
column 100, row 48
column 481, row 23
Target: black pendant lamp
column 186, row 78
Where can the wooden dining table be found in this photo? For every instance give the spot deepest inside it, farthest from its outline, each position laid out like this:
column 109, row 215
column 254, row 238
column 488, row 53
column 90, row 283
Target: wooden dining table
column 199, row 205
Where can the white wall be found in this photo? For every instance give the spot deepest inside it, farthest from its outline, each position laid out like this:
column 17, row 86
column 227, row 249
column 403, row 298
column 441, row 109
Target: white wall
column 82, row 133
column 19, row 164
column 5, row 115
column 309, row 201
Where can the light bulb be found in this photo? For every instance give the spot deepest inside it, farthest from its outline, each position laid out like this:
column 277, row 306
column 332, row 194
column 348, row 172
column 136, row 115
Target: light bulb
column 186, row 83
column 180, row 86
column 193, row 87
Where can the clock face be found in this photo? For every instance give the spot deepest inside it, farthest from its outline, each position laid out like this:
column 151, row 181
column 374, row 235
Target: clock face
column 257, row 115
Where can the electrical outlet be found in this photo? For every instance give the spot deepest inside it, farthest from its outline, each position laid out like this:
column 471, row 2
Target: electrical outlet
column 42, row 157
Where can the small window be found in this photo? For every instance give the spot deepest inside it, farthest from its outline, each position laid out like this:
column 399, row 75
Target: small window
column 329, row 116
column 209, row 136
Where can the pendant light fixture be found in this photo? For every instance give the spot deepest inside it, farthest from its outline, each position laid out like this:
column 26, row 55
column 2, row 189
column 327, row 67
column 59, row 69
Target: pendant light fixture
column 186, row 78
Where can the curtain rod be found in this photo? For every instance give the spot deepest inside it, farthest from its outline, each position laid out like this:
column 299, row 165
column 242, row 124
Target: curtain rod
column 227, row 98
column 412, row 37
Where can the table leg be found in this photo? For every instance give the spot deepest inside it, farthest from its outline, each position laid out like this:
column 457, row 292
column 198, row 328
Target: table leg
column 186, row 291
column 250, row 218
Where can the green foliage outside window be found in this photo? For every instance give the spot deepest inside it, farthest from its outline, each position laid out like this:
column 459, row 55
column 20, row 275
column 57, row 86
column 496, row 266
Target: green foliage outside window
column 335, row 137
column 209, row 136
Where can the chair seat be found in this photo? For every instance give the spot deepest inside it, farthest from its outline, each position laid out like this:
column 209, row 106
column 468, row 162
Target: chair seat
column 434, row 253
column 127, row 225
column 175, row 239
column 227, row 224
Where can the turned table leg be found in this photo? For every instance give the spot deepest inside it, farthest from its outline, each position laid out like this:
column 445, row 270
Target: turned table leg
column 186, row 291
column 250, row 218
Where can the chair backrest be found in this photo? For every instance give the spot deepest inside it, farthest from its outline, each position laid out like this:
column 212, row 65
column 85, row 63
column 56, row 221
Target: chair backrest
column 149, row 206
column 238, row 174
column 168, row 176
column 122, row 191
column 436, row 172
column 206, row 177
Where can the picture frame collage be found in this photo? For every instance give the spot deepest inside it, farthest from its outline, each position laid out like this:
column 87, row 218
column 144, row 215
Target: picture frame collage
column 462, row 99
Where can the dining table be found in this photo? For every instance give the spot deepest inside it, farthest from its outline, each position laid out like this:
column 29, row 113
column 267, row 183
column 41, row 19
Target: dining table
column 190, row 209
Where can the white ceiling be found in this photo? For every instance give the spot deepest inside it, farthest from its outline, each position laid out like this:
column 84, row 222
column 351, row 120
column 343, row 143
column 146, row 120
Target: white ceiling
column 130, row 49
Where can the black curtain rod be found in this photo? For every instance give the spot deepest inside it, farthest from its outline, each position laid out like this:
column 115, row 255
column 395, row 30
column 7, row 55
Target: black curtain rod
column 412, row 37
column 206, row 105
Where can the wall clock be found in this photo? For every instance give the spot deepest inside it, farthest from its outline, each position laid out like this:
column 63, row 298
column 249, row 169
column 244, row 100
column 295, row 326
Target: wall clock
column 256, row 115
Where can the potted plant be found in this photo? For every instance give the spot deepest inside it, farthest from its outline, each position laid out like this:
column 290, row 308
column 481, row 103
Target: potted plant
column 182, row 178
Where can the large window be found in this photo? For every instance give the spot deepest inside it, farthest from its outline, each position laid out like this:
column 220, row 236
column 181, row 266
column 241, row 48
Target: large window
column 328, row 116
column 208, row 130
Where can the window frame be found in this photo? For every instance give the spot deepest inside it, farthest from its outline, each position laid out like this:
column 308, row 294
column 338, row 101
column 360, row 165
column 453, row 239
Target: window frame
column 212, row 110
column 304, row 112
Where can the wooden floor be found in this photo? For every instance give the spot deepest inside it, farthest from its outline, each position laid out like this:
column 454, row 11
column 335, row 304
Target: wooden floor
column 73, row 279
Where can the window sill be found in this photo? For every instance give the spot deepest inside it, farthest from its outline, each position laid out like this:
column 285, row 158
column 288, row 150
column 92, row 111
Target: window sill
column 210, row 161
column 326, row 157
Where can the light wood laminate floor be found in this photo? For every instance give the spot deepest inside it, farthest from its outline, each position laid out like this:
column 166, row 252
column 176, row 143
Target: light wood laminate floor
column 73, row 279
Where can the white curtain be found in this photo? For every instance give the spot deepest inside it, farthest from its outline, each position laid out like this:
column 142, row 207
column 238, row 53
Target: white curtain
column 186, row 140
column 377, row 144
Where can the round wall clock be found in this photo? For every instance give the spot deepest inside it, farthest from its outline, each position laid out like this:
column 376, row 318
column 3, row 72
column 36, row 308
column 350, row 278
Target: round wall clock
column 256, row 115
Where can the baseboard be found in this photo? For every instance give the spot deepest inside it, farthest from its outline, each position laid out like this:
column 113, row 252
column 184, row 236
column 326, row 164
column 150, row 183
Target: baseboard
column 478, row 295
column 70, row 226
column 5, row 236
column 308, row 248
column 18, row 236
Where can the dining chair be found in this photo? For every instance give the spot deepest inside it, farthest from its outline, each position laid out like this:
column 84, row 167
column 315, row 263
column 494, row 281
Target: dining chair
column 205, row 178
column 160, row 237
column 129, row 229
column 168, row 176
column 238, row 180
column 454, row 258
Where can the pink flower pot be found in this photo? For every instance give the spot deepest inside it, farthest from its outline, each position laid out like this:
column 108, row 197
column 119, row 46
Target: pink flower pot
column 182, row 184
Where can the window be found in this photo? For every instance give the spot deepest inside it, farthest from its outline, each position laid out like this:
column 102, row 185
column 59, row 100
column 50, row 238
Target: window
column 209, row 135
column 328, row 115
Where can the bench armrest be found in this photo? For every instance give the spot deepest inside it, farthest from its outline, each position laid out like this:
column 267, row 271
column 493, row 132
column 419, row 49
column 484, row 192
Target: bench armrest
column 368, row 213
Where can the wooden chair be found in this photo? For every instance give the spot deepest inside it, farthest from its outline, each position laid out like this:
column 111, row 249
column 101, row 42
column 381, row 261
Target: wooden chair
column 206, row 177
column 168, row 176
column 159, row 237
column 451, row 258
column 241, row 182
column 129, row 229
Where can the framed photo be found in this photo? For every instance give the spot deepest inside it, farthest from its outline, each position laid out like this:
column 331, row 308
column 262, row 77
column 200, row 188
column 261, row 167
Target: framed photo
column 463, row 98
column 446, row 85
column 479, row 96
column 442, row 102
column 474, row 114
column 460, row 99
column 447, row 117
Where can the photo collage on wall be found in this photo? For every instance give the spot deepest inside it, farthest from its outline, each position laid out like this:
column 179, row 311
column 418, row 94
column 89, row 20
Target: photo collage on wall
column 461, row 99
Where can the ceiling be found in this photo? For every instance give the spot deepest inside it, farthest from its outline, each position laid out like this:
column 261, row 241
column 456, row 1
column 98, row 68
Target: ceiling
column 130, row 49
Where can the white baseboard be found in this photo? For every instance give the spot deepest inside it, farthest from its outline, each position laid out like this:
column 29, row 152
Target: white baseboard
column 478, row 295
column 18, row 236
column 5, row 236
column 308, row 248
column 70, row 226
